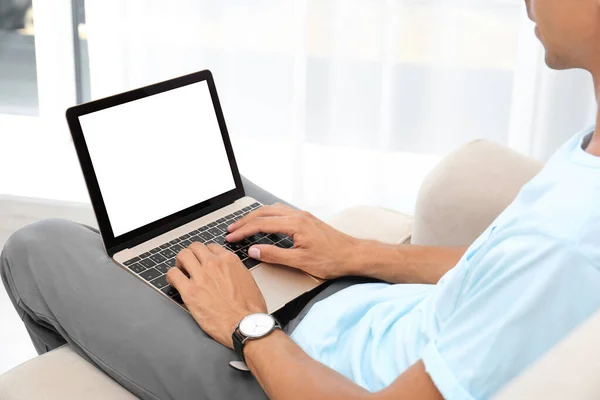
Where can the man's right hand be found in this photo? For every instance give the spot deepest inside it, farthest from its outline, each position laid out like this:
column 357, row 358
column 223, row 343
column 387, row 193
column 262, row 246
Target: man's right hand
column 319, row 249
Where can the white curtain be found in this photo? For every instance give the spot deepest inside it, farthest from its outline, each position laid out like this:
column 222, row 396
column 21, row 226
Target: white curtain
column 332, row 103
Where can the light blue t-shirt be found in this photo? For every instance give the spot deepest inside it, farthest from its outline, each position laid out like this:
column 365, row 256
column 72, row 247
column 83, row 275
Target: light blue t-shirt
column 522, row 286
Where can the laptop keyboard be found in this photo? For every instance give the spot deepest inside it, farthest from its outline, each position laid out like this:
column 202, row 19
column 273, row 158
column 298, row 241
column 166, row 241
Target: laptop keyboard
column 154, row 264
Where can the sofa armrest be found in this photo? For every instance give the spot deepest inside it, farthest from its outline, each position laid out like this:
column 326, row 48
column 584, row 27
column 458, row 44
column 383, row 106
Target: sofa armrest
column 60, row 374
column 374, row 223
column 466, row 191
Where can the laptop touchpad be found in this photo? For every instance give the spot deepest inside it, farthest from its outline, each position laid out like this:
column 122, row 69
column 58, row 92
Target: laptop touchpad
column 280, row 284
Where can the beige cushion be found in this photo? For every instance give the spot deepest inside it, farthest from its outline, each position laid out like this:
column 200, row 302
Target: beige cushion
column 59, row 374
column 570, row 371
column 374, row 223
column 466, row 191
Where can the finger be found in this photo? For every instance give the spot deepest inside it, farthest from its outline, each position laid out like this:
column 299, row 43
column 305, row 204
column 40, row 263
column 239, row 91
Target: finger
column 178, row 280
column 265, row 211
column 188, row 261
column 273, row 254
column 216, row 249
column 202, row 253
column 286, row 225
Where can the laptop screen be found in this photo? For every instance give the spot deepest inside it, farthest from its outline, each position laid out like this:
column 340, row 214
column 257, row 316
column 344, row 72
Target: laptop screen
column 157, row 155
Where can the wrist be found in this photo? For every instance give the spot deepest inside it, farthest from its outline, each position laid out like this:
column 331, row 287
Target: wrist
column 256, row 346
column 233, row 320
column 230, row 327
column 369, row 257
column 358, row 257
column 253, row 328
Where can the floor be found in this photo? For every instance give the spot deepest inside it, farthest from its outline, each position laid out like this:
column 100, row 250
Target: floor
column 16, row 212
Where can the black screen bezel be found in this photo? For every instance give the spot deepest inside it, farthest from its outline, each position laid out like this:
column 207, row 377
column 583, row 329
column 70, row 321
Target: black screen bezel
column 130, row 239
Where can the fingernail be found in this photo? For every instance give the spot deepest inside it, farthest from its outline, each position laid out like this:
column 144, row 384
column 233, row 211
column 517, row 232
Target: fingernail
column 254, row 252
column 228, row 237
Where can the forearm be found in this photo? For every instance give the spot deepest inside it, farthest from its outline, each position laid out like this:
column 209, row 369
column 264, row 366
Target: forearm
column 285, row 371
column 403, row 263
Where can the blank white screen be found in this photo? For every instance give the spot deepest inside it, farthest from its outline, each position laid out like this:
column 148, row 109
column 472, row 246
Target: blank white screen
column 158, row 155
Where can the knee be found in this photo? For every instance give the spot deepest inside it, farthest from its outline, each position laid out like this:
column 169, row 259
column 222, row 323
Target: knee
column 28, row 240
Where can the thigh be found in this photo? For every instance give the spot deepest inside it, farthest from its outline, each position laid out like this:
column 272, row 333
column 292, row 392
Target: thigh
column 61, row 275
column 303, row 305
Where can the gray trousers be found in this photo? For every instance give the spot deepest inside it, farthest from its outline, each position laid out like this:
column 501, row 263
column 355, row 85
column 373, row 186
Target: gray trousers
column 67, row 290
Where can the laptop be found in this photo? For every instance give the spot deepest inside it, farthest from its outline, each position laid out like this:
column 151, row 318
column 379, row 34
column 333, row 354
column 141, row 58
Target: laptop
column 161, row 174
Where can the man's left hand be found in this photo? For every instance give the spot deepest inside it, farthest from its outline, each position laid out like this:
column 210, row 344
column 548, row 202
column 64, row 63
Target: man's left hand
column 219, row 292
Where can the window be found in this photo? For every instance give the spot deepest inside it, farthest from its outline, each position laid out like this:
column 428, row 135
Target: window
column 18, row 77
column 352, row 101
column 336, row 94
column 37, row 85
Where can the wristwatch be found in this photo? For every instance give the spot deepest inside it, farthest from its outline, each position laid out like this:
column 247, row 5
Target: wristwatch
column 251, row 327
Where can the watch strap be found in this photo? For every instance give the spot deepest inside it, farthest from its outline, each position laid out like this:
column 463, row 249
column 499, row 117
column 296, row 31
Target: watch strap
column 238, row 343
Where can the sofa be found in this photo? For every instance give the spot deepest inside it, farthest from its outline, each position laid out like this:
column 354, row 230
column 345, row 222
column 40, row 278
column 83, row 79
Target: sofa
column 456, row 202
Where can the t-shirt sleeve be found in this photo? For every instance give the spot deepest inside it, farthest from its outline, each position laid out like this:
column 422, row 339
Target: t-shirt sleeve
column 520, row 296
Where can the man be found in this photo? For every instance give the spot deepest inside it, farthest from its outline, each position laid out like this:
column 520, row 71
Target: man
column 450, row 323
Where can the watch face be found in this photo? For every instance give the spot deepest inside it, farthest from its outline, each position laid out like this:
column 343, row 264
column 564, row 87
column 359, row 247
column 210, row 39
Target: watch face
column 257, row 325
